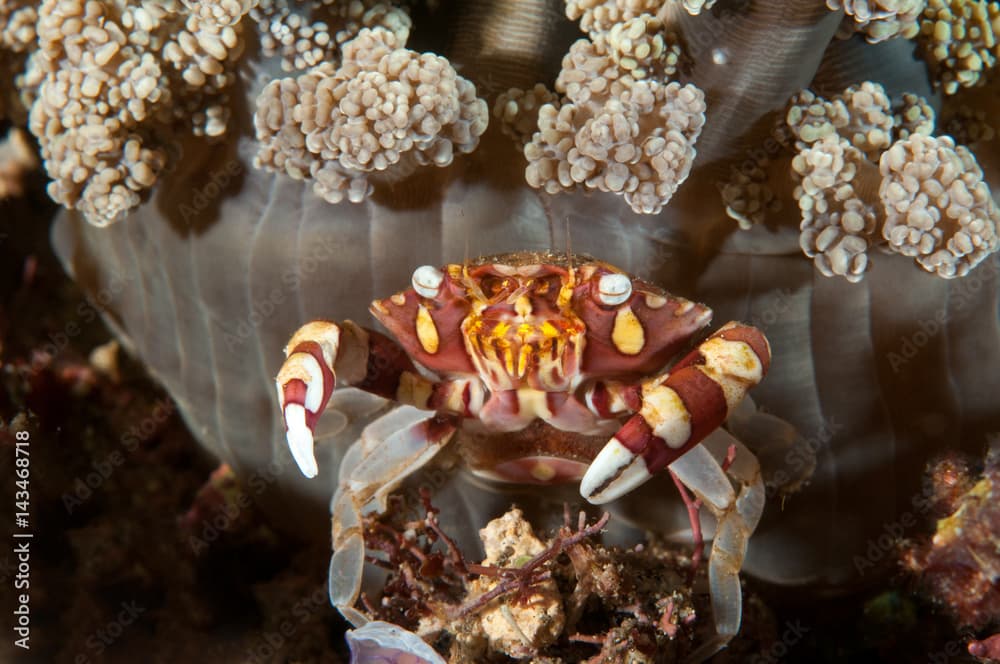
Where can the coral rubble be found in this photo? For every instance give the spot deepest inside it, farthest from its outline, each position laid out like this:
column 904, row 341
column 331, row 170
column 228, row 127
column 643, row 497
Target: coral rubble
column 529, row 598
column 959, row 566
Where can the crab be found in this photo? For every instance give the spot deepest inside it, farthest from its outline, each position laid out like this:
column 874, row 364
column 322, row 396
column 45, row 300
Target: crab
column 543, row 368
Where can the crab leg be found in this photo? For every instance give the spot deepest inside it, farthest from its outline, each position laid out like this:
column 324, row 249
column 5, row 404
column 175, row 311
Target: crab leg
column 736, row 516
column 612, row 398
column 305, row 382
column 372, row 468
column 322, row 354
column 679, row 412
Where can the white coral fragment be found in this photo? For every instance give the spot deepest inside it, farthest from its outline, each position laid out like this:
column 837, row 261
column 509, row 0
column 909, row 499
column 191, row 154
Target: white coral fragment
column 384, row 112
column 938, row 208
column 518, row 628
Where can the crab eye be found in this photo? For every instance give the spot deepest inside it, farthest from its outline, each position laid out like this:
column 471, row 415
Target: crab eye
column 427, row 280
column 614, row 289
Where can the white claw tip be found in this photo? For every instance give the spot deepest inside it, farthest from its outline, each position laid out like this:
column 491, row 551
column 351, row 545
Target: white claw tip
column 300, row 439
column 613, row 473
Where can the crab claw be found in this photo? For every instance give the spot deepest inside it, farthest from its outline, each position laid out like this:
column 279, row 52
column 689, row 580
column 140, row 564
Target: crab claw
column 617, row 469
column 305, row 382
column 677, row 413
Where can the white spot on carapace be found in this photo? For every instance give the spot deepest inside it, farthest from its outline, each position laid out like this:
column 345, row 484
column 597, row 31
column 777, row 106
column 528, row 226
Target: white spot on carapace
column 427, row 280
column 654, row 301
column 614, row 289
column 399, row 299
column 427, row 332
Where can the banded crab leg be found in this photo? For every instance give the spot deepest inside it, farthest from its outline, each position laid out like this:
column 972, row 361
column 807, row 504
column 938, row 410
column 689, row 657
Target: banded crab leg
column 675, row 415
column 322, row 354
column 678, row 412
column 307, row 378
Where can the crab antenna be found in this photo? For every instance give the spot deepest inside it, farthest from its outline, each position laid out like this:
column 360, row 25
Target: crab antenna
column 569, row 253
column 465, row 261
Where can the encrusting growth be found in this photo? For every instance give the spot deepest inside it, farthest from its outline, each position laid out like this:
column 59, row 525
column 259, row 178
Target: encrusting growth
column 879, row 19
column 520, row 628
column 959, row 565
column 305, row 36
column 937, row 207
column 959, row 40
column 836, row 223
column 621, row 125
column 529, row 598
column 384, row 111
column 109, row 84
column 868, row 172
column 597, row 16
